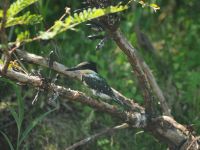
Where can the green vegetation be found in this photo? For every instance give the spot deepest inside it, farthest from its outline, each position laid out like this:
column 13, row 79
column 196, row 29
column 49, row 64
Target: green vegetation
column 173, row 31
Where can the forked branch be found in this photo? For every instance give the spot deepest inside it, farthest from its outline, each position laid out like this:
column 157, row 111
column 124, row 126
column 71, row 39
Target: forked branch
column 165, row 128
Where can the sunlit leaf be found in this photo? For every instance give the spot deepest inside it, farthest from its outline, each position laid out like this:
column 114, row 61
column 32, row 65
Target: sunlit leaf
column 142, row 3
column 18, row 6
column 1, row 13
column 77, row 18
column 23, row 35
column 26, row 19
column 155, row 7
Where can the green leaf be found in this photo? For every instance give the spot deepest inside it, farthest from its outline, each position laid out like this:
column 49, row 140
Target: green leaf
column 23, row 35
column 26, row 19
column 155, row 7
column 8, row 140
column 18, row 6
column 16, row 117
column 73, row 20
column 20, row 103
column 77, row 18
column 1, row 13
column 33, row 124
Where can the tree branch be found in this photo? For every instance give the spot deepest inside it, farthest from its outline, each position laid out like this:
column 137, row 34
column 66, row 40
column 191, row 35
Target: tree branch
column 137, row 66
column 60, row 68
column 97, row 135
column 144, row 42
column 164, row 128
column 137, row 119
column 164, row 106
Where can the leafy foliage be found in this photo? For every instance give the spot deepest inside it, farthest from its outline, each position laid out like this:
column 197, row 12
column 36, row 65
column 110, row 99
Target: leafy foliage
column 77, row 18
column 23, row 36
column 26, row 19
column 18, row 6
column 60, row 26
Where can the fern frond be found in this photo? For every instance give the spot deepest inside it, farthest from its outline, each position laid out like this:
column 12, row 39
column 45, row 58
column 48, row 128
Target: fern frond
column 77, row 18
column 70, row 22
column 18, row 6
column 26, row 19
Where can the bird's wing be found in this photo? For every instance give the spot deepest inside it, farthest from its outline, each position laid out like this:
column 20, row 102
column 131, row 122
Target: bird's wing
column 98, row 84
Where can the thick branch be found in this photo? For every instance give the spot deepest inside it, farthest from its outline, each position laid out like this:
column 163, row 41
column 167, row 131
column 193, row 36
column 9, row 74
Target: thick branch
column 39, row 60
column 136, row 64
column 164, row 128
column 164, row 106
column 143, row 73
column 144, row 42
column 60, row 68
column 137, row 119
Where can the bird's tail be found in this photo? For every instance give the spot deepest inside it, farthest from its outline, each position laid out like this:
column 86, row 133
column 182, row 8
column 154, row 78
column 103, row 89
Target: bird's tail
column 125, row 105
column 117, row 100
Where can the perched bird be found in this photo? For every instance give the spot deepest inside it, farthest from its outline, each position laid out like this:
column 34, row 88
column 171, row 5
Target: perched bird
column 94, row 81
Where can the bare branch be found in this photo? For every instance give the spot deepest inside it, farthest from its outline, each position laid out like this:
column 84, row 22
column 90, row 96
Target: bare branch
column 39, row 60
column 168, row 130
column 145, row 42
column 164, row 128
column 136, row 64
column 192, row 144
column 60, row 68
column 137, row 119
column 97, row 135
column 164, row 106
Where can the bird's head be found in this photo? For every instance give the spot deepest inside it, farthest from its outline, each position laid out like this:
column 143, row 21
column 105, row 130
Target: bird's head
column 86, row 67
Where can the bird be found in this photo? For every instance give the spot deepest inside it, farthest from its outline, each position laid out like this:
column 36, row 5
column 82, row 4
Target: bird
column 96, row 83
